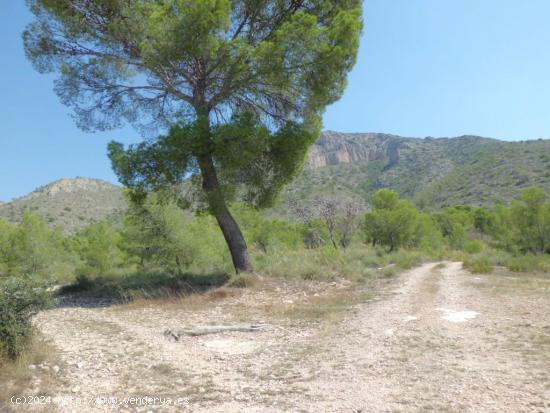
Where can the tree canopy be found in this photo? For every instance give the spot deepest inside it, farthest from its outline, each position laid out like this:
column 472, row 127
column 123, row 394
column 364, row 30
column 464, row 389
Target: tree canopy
column 161, row 61
column 240, row 85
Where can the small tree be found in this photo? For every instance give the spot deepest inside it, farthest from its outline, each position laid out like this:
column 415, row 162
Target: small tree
column 340, row 216
column 455, row 223
column 502, row 229
column 36, row 250
column 483, row 220
column 531, row 219
column 326, row 208
column 241, row 85
column 349, row 221
column 99, row 247
column 392, row 222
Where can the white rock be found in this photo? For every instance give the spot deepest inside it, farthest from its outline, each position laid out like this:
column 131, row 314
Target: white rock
column 457, row 316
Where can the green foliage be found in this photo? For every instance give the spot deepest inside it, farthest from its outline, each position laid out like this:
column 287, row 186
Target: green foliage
column 36, row 250
column 473, row 246
column 478, row 264
column 502, row 231
column 455, row 223
column 483, row 220
column 99, row 248
column 392, row 222
column 20, row 299
column 356, row 263
column 120, row 60
column 159, row 233
column 241, row 85
column 266, row 234
column 531, row 219
column 427, row 236
column 528, row 263
column 6, row 230
column 314, row 236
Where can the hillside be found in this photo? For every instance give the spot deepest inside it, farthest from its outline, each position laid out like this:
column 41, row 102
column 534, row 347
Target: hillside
column 432, row 172
column 69, row 203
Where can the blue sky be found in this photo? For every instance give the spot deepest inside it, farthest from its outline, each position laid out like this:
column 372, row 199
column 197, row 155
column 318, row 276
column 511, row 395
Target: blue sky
column 425, row 68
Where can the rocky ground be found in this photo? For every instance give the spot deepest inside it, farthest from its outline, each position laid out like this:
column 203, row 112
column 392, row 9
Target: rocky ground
column 435, row 339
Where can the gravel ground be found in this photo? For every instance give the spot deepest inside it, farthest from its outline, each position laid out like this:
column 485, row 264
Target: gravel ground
column 435, row 339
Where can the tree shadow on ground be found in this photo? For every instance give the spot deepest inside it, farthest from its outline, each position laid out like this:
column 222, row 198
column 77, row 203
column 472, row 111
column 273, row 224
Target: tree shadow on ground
column 107, row 290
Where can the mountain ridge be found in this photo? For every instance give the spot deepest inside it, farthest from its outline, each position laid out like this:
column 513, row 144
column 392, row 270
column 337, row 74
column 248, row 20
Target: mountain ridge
column 69, row 203
column 433, row 172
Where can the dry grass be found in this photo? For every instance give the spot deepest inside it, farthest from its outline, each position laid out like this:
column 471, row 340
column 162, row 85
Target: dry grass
column 199, row 301
column 32, row 374
column 329, row 308
column 505, row 282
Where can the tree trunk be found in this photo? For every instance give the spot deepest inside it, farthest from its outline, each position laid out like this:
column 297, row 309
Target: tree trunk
column 230, row 229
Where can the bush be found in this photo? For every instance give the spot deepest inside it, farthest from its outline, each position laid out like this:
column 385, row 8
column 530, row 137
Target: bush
column 405, row 259
column 478, row 265
column 525, row 263
column 19, row 301
column 473, row 246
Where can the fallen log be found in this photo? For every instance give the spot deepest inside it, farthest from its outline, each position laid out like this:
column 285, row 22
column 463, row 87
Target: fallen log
column 212, row 329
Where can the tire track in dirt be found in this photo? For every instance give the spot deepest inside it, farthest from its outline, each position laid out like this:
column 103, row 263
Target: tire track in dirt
column 391, row 354
column 400, row 355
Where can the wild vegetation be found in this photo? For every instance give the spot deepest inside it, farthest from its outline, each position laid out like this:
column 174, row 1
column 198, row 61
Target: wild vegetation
column 160, row 249
column 239, row 86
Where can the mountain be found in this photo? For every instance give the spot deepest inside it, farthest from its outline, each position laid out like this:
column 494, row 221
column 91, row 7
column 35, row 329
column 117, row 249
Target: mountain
column 434, row 173
column 69, row 203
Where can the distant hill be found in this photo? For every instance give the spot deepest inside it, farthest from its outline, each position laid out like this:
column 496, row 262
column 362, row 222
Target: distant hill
column 434, row 173
column 69, row 203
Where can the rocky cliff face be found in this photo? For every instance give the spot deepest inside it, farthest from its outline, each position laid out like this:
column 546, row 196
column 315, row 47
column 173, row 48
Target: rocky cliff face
column 435, row 172
column 335, row 148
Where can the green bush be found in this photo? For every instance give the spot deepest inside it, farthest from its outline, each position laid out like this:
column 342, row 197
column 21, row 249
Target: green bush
column 405, row 259
column 528, row 263
column 478, row 264
column 473, row 246
column 34, row 249
column 19, row 301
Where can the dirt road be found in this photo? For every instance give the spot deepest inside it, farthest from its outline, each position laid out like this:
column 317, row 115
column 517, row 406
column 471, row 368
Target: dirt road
column 435, row 339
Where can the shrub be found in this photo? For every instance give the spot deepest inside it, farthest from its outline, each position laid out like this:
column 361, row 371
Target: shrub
column 473, row 246
column 19, row 301
column 478, row 265
column 523, row 263
column 405, row 259
column 36, row 250
column 390, row 271
column 313, row 238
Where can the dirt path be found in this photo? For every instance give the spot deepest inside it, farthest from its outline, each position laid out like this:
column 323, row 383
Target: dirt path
column 440, row 340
